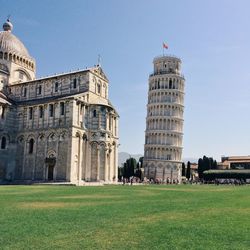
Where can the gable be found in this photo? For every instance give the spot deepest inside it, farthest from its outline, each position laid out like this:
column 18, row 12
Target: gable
column 99, row 72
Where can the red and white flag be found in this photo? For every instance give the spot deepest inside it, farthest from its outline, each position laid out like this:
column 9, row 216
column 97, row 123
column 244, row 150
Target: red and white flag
column 164, row 45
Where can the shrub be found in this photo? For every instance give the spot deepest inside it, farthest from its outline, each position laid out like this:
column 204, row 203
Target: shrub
column 210, row 175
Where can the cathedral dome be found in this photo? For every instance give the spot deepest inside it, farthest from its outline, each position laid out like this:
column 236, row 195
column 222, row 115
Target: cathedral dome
column 10, row 43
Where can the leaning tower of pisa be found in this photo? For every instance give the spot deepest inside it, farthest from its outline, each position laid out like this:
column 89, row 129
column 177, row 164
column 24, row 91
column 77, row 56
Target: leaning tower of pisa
column 164, row 122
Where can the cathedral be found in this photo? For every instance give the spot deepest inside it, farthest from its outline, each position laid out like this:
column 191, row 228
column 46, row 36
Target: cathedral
column 61, row 128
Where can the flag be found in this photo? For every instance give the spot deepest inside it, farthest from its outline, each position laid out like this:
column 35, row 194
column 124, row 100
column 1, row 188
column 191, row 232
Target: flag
column 165, row 46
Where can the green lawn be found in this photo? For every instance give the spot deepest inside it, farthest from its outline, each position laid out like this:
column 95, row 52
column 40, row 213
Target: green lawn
column 125, row 217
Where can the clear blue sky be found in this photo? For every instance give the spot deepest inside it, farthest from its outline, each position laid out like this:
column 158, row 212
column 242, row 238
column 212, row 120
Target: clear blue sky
column 211, row 37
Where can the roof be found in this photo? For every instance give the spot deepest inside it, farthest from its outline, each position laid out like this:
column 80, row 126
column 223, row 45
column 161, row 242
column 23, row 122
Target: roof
column 235, row 158
column 11, row 44
column 91, row 69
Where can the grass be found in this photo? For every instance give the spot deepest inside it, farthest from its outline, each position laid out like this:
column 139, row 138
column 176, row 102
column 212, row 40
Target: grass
column 125, row 217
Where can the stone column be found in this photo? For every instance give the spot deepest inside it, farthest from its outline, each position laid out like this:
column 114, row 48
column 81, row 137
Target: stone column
column 99, row 120
column 35, row 153
column 83, row 164
column 46, row 115
column 57, row 153
column 106, row 165
column 55, row 113
column 107, row 120
column 24, row 155
column 78, row 113
column 109, row 164
column 115, row 164
column 87, row 161
column 112, row 124
column 98, row 163
column 83, row 116
column 80, row 160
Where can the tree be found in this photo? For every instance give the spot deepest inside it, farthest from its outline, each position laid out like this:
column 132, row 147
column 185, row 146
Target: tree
column 204, row 164
column 129, row 167
column 125, row 170
column 214, row 166
column 188, row 173
column 200, row 168
column 183, row 171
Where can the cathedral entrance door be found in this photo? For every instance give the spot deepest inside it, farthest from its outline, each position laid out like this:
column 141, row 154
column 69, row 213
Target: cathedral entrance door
column 51, row 172
column 50, row 164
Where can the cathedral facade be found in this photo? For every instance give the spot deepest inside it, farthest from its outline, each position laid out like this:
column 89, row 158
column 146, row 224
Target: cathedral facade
column 61, row 128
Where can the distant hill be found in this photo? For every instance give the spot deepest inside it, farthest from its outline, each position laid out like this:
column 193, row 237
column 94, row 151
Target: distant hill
column 123, row 156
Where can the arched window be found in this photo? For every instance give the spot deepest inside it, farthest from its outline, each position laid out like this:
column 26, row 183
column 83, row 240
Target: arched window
column 3, row 143
column 31, row 146
column 51, row 110
column 56, row 86
column 40, row 111
column 30, row 113
column 25, row 92
column 98, row 88
column 170, row 84
column 39, row 89
column 74, row 83
column 94, row 113
column 62, row 108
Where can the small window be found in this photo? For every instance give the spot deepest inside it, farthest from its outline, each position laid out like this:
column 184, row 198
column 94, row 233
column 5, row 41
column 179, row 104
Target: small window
column 110, row 117
column 62, row 108
column 25, row 92
column 40, row 111
column 94, row 113
column 30, row 113
column 51, row 110
column 56, row 87
column 3, row 143
column 31, row 146
column 74, row 83
column 39, row 90
column 98, row 88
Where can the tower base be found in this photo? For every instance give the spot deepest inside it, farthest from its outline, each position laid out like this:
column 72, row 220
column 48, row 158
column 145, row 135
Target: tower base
column 163, row 171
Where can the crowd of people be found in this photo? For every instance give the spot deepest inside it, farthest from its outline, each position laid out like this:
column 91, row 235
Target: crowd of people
column 136, row 180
